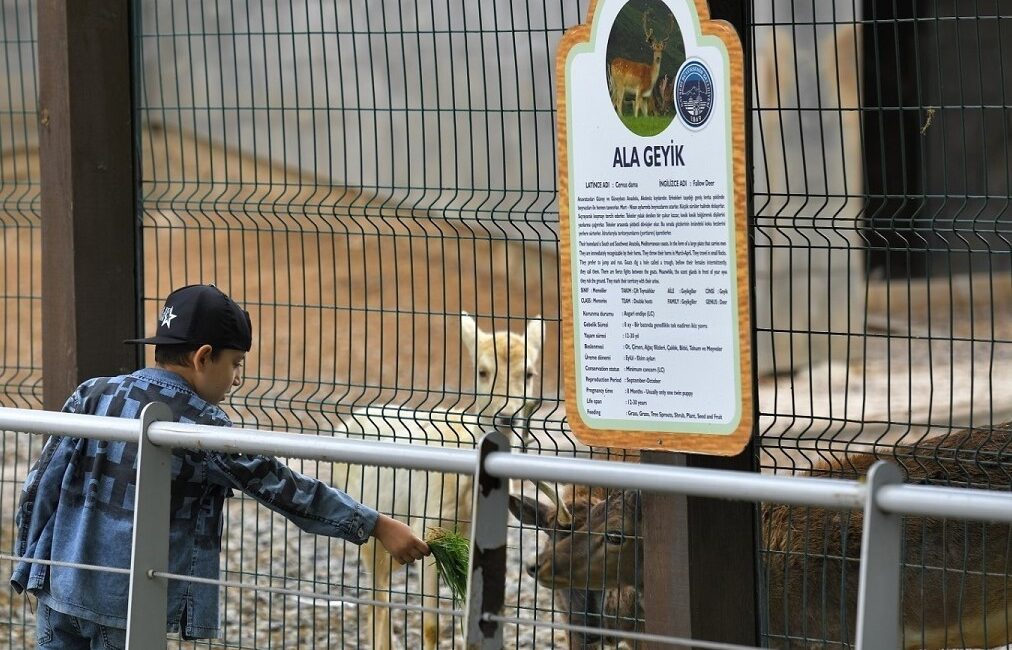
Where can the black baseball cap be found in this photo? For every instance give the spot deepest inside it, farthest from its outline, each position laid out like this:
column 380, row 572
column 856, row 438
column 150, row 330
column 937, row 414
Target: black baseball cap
column 201, row 314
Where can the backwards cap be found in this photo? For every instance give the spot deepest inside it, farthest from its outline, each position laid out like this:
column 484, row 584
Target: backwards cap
column 201, row 314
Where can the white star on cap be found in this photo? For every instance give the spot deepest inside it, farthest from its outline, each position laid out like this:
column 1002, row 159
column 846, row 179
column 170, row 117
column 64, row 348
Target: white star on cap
column 167, row 317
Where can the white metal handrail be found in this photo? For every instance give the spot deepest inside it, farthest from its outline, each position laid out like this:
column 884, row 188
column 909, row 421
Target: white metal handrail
column 882, row 496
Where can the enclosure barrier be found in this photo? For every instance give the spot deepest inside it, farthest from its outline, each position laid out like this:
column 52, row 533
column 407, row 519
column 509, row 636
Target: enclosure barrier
column 881, row 495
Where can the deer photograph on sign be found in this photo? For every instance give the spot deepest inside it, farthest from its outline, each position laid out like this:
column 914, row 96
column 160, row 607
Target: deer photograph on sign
column 655, row 304
column 644, row 52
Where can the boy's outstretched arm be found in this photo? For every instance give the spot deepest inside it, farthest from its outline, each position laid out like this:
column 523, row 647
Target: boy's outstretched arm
column 399, row 540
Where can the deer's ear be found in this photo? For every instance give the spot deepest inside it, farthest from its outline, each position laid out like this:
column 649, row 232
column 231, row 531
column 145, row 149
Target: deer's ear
column 469, row 334
column 535, row 337
column 532, row 512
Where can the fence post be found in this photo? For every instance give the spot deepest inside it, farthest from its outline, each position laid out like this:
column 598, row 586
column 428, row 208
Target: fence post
column 486, row 588
column 878, row 595
column 146, row 611
column 702, row 552
column 88, row 176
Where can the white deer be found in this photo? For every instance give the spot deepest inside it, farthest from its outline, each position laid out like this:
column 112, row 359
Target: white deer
column 506, row 373
column 636, row 78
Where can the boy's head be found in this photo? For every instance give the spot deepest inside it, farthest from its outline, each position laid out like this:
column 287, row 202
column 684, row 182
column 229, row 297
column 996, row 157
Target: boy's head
column 204, row 336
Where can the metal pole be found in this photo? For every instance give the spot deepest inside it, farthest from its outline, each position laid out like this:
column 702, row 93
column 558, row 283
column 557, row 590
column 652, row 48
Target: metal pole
column 878, row 596
column 486, row 588
column 146, row 611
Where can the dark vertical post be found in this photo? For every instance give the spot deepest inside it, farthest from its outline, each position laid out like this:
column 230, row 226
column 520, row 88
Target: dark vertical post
column 667, row 588
column 892, row 161
column 701, row 554
column 86, row 151
column 702, row 559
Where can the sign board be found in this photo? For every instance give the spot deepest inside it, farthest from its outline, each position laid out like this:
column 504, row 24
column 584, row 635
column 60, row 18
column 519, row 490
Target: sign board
column 656, row 334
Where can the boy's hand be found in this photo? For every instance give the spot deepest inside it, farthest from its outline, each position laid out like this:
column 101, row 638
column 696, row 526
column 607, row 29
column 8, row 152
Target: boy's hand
column 399, row 540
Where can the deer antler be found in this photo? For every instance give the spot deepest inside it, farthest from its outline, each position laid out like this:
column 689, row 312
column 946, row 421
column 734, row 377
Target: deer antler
column 563, row 517
column 647, row 31
column 671, row 28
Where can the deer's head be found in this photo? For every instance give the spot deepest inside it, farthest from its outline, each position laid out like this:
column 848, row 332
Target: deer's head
column 506, row 371
column 567, row 515
column 600, row 549
column 657, row 44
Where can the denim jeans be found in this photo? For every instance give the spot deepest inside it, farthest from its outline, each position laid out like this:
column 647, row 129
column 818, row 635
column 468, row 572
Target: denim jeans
column 58, row 631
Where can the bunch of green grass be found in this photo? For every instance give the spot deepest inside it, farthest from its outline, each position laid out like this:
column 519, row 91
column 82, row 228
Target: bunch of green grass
column 450, row 550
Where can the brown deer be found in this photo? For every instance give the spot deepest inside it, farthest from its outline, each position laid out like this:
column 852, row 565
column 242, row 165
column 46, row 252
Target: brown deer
column 610, row 609
column 956, row 575
column 635, row 78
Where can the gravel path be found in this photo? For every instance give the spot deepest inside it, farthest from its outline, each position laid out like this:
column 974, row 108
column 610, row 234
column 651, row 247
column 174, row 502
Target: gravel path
column 285, row 557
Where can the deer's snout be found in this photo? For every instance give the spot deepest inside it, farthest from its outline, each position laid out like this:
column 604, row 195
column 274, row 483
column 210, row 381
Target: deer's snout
column 532, row 570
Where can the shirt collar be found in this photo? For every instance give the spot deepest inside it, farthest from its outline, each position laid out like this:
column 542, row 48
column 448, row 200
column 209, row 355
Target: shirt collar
column 165, row 377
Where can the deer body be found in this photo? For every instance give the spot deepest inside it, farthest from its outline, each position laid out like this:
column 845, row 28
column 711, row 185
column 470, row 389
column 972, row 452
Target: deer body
column 636, row 78
column 955, row 582
column 505, row 379
column 955, row 579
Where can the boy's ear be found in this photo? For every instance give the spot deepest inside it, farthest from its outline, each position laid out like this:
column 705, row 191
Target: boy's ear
column 201, row 356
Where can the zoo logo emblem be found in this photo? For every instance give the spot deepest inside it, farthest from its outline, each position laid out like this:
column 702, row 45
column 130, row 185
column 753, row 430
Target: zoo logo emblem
column 694, row 94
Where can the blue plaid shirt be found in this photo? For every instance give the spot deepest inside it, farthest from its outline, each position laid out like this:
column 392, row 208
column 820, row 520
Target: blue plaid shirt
column 77, row 506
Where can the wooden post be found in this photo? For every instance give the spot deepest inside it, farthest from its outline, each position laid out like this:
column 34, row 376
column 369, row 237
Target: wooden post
column 88, row 183
column 703, row 553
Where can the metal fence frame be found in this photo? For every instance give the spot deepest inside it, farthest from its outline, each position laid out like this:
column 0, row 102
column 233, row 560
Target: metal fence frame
column 881, row 495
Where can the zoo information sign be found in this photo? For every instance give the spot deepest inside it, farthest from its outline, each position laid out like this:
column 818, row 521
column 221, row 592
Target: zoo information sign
column 652, row 218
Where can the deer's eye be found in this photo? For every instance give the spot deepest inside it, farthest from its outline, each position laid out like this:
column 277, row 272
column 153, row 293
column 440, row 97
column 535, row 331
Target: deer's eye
column 530, row 375
column 614, row 537
column 483, row 373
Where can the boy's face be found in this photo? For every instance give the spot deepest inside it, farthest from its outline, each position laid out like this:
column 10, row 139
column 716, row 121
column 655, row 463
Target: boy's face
column 214, row 378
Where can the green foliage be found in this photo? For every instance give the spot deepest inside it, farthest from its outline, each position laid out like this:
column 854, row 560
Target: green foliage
column 646, row 125
column 451, row 551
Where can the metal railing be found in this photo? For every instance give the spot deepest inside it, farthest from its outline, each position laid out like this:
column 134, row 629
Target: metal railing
column 881, row 495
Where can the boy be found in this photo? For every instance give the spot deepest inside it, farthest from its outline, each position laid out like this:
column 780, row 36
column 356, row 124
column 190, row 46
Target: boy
column 77, row 502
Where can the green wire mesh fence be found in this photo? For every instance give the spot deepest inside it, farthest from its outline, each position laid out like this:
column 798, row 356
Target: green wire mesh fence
column 20, row 282
column 881, row 187
column 359, row 174
column 19, row 209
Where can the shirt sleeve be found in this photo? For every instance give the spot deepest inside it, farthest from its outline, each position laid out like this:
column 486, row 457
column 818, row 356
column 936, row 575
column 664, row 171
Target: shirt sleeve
column 312, row 505
column 39, row 496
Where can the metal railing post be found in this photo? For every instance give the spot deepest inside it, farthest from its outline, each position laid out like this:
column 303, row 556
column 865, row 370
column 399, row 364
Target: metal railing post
column 486, row 587
column 878, row 596
column 146, row 611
